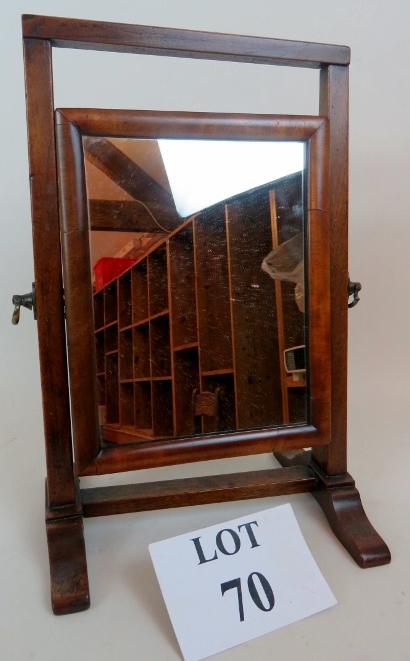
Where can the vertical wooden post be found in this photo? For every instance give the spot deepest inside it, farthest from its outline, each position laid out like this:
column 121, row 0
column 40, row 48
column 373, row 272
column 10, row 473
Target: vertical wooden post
column 64, row 521
column 48, row 277
column 334, row 104
column 337, row 496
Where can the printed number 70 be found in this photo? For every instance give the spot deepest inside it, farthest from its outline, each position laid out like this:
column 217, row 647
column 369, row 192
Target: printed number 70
column 236, row 583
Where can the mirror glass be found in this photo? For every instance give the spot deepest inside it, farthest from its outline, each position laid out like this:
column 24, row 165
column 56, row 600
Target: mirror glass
column 197, row 260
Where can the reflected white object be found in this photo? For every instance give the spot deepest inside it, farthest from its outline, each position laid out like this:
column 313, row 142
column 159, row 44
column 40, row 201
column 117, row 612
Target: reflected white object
column 204, row 172
column 286, row 263
column 295, row 361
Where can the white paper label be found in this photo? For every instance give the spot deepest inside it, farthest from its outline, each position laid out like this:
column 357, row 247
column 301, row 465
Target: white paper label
column 232, row 582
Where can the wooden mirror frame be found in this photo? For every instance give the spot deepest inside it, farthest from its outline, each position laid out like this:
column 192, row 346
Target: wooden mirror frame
column 71, row 125
column 323, row 471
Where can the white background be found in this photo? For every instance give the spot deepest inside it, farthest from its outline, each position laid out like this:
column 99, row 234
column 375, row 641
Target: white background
column 128, row 619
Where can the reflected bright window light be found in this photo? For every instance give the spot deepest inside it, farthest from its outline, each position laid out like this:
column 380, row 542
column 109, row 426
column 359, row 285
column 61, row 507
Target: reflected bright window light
column 204, row 172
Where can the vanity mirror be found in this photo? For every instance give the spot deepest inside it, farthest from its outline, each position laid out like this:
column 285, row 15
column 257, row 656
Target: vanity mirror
column 186, row 335
column 204, row 310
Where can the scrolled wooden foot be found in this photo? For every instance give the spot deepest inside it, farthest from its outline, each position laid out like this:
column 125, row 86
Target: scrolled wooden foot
column 342, row 506
column 68, row 565
column 343, row 509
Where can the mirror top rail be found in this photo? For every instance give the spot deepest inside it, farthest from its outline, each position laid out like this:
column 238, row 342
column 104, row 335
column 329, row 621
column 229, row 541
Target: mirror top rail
column 173, row 42
column 159, row 123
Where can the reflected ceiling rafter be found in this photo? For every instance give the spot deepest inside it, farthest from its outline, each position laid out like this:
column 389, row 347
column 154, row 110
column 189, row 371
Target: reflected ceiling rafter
column 128, row 215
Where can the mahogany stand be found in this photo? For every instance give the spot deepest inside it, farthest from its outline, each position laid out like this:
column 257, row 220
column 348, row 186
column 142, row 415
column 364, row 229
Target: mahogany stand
column 324, row 472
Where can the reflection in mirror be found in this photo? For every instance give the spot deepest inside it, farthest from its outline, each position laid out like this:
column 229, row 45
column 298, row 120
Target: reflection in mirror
column 197, row 255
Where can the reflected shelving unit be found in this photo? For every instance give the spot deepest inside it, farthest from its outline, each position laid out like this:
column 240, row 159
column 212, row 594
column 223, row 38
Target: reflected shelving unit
column 197, row 315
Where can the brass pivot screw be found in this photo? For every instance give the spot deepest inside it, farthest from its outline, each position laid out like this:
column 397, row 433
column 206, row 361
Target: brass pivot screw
column 27, row 301
column 353, row 289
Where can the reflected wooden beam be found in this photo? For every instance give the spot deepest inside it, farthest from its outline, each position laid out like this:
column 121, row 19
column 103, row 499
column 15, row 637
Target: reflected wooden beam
column 133, row 180
column 124, row 216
